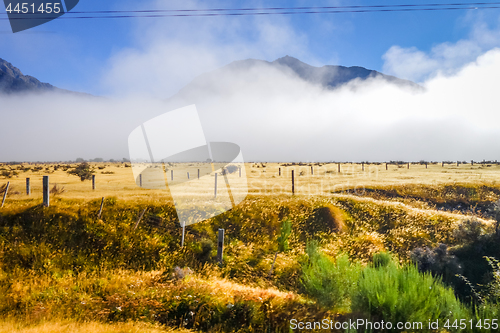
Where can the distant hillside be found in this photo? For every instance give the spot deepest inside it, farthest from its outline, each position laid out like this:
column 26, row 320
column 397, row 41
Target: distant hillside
column 243, row 72
column 12, row 81
column 334, row 76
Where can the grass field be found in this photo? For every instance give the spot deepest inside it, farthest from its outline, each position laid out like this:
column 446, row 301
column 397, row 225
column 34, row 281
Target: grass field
column 320, row 253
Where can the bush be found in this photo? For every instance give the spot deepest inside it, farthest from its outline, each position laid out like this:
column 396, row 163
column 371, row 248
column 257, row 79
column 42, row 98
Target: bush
column 437, row 261
column 469, row 231
column 83, row 171
column 330, row 282
column 230, row 169
column 396, row 294
column 381, row 259
column 9, row 173
column 285, row 232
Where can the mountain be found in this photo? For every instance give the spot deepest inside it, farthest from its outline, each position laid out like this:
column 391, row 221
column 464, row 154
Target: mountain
column 243, row 74
column 13, row 81
column 334, row 76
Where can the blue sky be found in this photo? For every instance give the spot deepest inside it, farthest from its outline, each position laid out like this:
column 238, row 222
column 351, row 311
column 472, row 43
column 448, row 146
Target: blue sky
column 86, row 55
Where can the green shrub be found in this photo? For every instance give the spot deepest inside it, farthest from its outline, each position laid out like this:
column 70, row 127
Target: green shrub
column 285, row 232
column 396, row 294
column 381, row 259
column 330, row 282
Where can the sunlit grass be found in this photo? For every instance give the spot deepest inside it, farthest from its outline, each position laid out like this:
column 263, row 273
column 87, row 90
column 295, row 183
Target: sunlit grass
column 13, row 326
column 63, row 268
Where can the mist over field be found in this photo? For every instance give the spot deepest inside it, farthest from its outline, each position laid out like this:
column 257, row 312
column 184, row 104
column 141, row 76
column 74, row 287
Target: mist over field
column 271, row 113
column 278, row 117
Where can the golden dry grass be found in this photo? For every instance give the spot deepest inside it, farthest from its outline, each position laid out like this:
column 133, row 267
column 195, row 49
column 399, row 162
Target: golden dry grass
column 85, row 327
column 413, row 211
column 118, row 180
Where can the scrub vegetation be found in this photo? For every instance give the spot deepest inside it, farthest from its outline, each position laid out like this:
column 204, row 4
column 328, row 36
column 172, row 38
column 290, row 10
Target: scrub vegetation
column 394, row 253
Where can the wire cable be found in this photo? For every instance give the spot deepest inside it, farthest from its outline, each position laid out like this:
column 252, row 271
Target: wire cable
column 266, row 11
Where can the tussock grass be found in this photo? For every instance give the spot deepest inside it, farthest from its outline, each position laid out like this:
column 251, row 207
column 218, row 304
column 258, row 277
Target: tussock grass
column 63, row 266
column 84, row 327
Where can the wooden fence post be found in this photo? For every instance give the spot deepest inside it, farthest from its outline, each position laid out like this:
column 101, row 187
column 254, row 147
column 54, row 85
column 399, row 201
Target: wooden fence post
column 198, row 173
column 272, row 266
column 442, row 164
column 140, row 218
column 426, row 165
column 457, row 162
column 100, row 209
column 183, row 232
column 28, row 187
column 5, row 193
column 188, row 175
column 472, row 162
column 215, row 189
column 45, row 189
column 362, row 166
column 339, row 167
column 312, row 171
column 220, row 246
column 386, row 166
column 171, row 174
column 408, row 165
column 93, row 182
column 293, row 182
column 279, row 172
column 140, row 180
column 239, row 169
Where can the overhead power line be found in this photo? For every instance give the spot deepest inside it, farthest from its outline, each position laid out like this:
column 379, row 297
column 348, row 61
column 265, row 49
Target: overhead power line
column 158, row 13
column 288, row 8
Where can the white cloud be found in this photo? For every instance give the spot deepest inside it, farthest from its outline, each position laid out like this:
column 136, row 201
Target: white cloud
column 169, row 53
column 443, row 59
column 275, row 116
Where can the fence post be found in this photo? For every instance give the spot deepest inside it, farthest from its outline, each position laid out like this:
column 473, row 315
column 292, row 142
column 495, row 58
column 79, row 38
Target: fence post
column 472, row 162
column 408, row 165
column 362, row 166
column 5, row 193
column 140, row 218
column 188, row 175
column 457, row 162
column 140, row 180
column 198, row 173
column 93, row 182
column 279, row 172
column 386, row 166
column 183, row 232
column 426, row 165
column 442, row 164
column 293, row 182
column 215, row 190
column 220, row 246
column 312, row 170
column 100, row 209
column 28, row 187
column 339, row 166
column 45, row 189
column 171, row 174
column 239, row 169
column 272, row 266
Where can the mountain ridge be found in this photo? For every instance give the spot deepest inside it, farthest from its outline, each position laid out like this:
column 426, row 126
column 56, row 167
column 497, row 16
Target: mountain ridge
column 329, row 77
column 13, row 81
